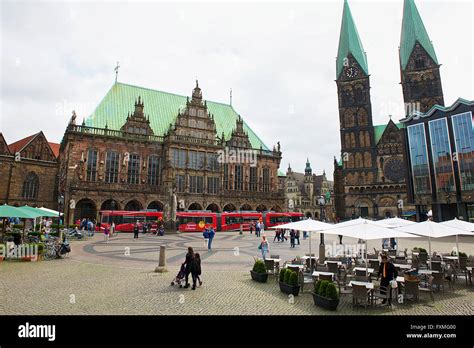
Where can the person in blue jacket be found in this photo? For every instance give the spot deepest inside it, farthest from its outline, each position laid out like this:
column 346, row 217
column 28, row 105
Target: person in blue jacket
column 211, row 237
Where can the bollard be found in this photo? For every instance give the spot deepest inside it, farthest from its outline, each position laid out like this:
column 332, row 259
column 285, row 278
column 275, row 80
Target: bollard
column 162, row 263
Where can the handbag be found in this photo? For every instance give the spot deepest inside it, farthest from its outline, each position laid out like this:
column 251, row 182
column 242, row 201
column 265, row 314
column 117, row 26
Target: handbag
column 260, row 246
column 393, row 284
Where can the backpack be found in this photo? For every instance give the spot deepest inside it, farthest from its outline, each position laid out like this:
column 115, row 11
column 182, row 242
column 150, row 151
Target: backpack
column 205, row 234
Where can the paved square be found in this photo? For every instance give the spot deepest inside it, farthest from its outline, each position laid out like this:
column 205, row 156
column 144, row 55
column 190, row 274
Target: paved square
column 99, row 278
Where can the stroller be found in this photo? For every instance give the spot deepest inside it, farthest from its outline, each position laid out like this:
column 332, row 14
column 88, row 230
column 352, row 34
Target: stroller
column 179, row 280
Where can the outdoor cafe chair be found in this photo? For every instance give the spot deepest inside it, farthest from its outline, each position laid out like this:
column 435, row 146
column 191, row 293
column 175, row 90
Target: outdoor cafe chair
column 374, row 264
column 438, row 280
column 307, row 278
column 383, row 293
column 392, row 253
column 436, row 266
column 362, row 278
column 325, row 277
column 332, row 267
column 360, row 295
column 274, row 256
column 411, row 290
column 270, row 266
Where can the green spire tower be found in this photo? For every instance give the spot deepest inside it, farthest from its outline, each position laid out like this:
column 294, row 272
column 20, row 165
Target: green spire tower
column 421, row 81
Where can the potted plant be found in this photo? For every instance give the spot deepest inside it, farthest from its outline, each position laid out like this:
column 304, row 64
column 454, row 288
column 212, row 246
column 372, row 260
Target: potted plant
column 289, row 285
column 325, row 295
column 259, row 272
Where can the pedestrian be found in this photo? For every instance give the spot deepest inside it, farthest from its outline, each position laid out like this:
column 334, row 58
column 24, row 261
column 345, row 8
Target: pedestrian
column 257, row 229
column 188, row 264
column 106, row 234
column 136, row 229
column 297, row 236
column 292, row 238
column 196, row 270
column 282, row 236
column 264, row 247
column 393, row 243
column 305, row 235
column 277, row 235
column 388, row 272
column 340, row 239
column 205, row 234
column 211, row 237
column 251, row 227
column 112, row 229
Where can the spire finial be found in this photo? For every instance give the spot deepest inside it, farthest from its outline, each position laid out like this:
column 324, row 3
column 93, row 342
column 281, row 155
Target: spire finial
column 116, row 69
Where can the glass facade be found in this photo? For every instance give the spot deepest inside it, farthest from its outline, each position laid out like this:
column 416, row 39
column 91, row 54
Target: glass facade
column 419, row 158
column 464, row 142
column 441, row 154
column 238, row 178
column 178, row 158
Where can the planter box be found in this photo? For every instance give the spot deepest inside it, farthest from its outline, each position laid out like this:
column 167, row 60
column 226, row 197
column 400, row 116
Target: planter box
column 289, row 289
column 259, row 277
column 324, row 302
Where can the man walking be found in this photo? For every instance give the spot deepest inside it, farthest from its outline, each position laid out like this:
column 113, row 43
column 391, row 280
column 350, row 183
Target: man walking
column 388, row 272
column 211, row 237
column 135, row 231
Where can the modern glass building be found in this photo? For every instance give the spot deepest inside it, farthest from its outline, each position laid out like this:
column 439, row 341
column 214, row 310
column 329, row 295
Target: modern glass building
column 440, row 156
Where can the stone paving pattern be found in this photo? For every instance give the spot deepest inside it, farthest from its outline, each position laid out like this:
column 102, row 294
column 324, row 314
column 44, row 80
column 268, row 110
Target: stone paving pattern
column 102, row 280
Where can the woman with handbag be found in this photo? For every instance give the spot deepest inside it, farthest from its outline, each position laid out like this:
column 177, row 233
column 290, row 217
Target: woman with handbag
column 264, row 247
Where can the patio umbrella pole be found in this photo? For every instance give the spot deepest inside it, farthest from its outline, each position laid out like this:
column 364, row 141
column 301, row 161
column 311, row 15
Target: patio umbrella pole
column 366, row 261
column 310, row 260
column 429, row 247
column 457, row 246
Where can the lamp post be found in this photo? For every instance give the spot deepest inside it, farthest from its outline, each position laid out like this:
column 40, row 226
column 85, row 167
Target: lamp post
column 60, row 203
column 321, row 203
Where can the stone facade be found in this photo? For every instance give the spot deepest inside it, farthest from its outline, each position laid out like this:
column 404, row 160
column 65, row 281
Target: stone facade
column 28, row 172
column 303, row 193
column 134, row 169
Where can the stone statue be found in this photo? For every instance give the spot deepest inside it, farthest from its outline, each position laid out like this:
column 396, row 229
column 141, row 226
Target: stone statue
column 173, row 203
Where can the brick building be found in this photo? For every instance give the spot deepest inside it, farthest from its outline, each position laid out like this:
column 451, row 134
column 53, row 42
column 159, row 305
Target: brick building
column 140, row 143
column 29, row 171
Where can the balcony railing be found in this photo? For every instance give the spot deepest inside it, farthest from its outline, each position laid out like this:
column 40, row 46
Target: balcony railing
column 113, row 133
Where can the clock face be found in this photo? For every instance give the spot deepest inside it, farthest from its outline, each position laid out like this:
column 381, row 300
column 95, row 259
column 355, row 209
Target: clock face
column 351, row 72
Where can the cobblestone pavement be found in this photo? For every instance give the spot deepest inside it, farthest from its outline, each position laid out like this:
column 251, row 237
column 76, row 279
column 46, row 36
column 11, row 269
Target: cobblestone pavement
column 98, row 278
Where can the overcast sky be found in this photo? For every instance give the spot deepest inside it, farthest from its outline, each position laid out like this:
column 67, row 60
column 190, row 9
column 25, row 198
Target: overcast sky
column 278, row 58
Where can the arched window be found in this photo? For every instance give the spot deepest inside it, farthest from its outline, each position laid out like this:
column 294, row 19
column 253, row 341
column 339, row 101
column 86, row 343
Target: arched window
column 30, row 186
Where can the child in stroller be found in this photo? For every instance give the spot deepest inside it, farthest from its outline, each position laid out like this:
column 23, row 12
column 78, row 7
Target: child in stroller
column 179, row 280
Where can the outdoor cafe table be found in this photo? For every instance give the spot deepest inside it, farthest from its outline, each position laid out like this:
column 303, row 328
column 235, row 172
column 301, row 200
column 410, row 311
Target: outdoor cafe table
column 318, row 273
column 299, row 266
column 402, row 266
column 339, row 263
column 307, row 257
column 450, row 258
column 373, row 260
column 362, row 269
column 274, row 260
column 427, row 271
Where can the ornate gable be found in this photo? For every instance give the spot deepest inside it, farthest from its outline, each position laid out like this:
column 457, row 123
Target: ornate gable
column 391, row 140
column 195, row 120
column 4, row 150
column 239, row 138
column 137, row 123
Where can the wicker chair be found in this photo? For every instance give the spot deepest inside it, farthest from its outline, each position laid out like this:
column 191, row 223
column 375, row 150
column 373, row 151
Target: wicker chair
column 332, row 267
column 436, row 266
column 437, row 279
column 383, row 293
column 374, row 264
column 270, row 266
column 325, row 277
column 411, row 289
column 360, row 295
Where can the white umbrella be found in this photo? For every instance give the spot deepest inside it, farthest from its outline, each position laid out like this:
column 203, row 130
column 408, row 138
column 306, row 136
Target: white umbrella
column 367, row 230
column 51, row 211
column 432, row 229
column 395, row 222
column 462, row 225
column 308, row 225
column 359, row 221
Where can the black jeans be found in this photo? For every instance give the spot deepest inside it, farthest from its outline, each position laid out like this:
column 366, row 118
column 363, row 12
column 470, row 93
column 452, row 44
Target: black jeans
column 187, row 277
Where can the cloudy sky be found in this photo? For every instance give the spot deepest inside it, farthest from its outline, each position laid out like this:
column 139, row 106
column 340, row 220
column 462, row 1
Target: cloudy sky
column 278, row 58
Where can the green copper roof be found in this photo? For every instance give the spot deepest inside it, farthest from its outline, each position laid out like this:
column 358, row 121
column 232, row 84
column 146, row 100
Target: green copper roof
column 349, row 42
column 280, row 173
column 378, row 131
column 162, row 109
column 413, row 30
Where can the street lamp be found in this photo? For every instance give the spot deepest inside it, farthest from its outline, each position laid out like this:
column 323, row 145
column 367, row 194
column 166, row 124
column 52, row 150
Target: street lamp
column 60, row 203
column 321, row 203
